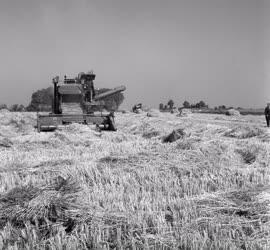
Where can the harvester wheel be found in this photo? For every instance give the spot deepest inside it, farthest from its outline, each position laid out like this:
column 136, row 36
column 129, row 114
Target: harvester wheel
column 111, row 124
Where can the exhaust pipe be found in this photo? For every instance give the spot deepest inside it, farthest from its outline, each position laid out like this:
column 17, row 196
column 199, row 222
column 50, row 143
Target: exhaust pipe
column 55, row 95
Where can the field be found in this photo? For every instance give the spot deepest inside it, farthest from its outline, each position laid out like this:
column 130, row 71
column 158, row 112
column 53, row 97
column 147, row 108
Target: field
column 78, row 188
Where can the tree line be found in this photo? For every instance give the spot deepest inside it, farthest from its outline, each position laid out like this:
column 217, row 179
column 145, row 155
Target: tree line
column 13, row 107
column 199, row 105
column 186, row 104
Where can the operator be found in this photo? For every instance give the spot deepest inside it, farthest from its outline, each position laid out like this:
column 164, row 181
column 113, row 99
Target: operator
column 267, row 114
column 91, row 83
column 91, row 87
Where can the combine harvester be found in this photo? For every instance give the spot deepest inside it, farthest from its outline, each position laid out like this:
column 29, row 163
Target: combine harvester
column 75, row 101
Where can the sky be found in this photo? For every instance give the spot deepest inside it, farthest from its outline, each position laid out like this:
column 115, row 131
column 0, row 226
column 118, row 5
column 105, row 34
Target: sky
column 211, row 50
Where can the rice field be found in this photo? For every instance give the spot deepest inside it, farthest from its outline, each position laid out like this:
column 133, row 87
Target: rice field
column 79, row 188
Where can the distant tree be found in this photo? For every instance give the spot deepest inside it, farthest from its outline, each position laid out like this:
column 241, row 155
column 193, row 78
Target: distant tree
column 202, row 104
column 3, row 106
column 41, row 100
column 17, row 108
column 222, row 107
column 197, row 105
column 186, row 104
column 216, row 108
column 161, row 106
column 170, row 103
column 14, row 107
column 21, row 108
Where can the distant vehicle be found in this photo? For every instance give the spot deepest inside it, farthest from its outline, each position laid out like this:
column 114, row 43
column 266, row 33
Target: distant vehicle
column 75, row 101
column 137, row 108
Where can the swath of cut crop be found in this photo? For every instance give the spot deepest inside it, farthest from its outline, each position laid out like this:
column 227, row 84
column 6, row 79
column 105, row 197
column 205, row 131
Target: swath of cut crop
column 244, row 132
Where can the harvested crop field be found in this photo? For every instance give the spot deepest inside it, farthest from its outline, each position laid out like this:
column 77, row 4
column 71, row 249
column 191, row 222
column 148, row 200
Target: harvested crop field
column 163, row 182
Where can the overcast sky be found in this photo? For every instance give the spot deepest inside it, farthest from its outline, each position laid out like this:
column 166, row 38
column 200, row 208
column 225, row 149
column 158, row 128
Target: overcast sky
column 211, row 50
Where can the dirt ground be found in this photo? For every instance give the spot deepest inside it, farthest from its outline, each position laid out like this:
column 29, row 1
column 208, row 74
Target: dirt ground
column 78, row 188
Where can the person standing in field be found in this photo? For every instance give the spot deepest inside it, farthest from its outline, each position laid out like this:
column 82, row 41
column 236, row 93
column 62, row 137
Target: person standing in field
column 267, row 114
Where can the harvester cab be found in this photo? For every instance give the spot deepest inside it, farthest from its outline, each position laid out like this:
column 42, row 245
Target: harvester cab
column 75, row 101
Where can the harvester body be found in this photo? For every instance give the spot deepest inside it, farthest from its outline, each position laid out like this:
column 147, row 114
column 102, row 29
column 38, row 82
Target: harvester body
column 75, row 101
